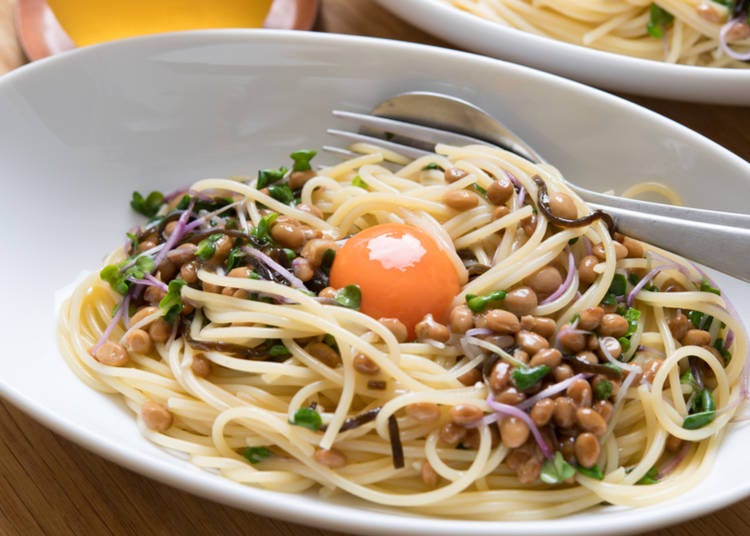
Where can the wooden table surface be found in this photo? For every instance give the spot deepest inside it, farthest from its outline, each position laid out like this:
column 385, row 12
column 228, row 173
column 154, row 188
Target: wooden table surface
column 52, row 486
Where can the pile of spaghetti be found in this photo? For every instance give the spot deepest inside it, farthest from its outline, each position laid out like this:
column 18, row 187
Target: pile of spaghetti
column 713, row 33
column 462, row 337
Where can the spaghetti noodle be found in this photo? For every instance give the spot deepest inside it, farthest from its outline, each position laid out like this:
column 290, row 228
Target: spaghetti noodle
column 570, row 367
column 691, row 32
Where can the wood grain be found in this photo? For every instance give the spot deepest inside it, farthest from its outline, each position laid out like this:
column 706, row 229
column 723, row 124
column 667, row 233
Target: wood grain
column 52, row 486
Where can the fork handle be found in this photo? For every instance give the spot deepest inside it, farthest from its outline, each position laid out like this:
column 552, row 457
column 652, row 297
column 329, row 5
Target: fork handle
column 722, row 247
column 732, row 219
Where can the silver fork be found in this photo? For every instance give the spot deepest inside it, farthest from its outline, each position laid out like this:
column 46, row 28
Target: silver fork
column 418, row 121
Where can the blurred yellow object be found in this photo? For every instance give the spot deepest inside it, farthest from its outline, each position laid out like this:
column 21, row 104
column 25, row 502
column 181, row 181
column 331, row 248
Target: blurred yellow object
column 94, row 21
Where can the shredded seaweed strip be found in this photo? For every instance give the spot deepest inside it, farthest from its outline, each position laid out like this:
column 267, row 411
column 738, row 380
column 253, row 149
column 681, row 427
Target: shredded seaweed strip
column 579, row 365
column 543, row 200
column 396, row 447
column 259, row 353
column 358, row 420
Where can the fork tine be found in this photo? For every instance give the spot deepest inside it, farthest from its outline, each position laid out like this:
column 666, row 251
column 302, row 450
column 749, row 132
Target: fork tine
column 412, row 133
column 406, row 150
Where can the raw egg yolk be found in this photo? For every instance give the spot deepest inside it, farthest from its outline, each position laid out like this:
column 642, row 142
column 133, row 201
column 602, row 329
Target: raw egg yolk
column 402, row 273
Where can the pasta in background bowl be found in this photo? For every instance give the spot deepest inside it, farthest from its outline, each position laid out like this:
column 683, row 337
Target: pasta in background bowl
column 180, row 108
column 676, row 49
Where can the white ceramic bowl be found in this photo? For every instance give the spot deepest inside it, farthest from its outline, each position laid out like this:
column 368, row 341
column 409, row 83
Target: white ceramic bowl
column 602, row 69
column 83, row 130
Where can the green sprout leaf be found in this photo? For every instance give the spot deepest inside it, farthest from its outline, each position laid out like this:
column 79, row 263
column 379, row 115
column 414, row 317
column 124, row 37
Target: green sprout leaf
column 207, row 247
column 651, row 477
column 233, row 259
column 170, row 305
column 659, row 19
column 524, row 378
column 262, row 233
column 302, row 160
column 591, row 472
column 118, row 278
column 478, row 189
column 329, row 256
column 704, row 411
column 330, row 340
column 359, row 183
column 632, row 316
column 350, row 296
column 706, row 287
column 111, row 274
column 133, row 241
column 149, row 205
column 267, row 177
column 618, row 286
column 719, row 345
column 613, row 367
column 479, row 303
column 603, row 390
column 256, row 454
column 556, row 470
column 308, row 418
column 278, row 350
column 281, row 193
column 432, row 165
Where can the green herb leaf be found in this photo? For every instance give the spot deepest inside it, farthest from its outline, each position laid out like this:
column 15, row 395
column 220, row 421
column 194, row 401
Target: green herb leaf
column 207, row 247
column 307, row 417
column 269, row 176
column 359, row 183
column 350, row 296
column 479, row 303
column 256, row 454
column 610, row 299
column 432, row 165
column 170, row 305
column 281, row 193
column 572, row 241
column 603, row 390
column 556, row 470
column 706, row 287
column 591, row 472
column 525, row 378
column 651, row 477
column 302, row 160
column 262, row 233
column 147, row 206
column 659, row 19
